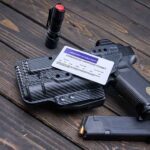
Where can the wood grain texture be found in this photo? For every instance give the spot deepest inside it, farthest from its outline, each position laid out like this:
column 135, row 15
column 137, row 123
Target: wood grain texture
column 131, row 9
column 20, row 131
column 113, row 22
column 143, row 64
column 75, row 28
column 145, row 3
column 89, row 20
column 29, row 44
column 53, row 118
column 32, row 45
column 69, row 121
column 28, row 40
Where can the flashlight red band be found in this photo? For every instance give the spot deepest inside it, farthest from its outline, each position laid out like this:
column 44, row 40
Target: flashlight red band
column 60, row 7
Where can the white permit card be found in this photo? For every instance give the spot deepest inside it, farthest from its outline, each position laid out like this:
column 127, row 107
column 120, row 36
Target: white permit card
column 84, row 65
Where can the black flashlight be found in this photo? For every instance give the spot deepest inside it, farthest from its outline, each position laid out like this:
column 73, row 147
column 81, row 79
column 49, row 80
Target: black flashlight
column 54, row 22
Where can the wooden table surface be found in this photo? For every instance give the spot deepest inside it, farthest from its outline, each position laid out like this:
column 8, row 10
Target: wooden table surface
column 22, row 35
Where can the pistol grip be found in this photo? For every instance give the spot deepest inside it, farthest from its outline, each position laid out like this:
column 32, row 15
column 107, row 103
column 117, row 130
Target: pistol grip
column 135, row 87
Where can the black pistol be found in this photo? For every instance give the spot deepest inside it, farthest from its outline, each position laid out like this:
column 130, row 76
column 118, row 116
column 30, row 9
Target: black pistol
column 131, row 85
column 39, row 82
column 124, row 77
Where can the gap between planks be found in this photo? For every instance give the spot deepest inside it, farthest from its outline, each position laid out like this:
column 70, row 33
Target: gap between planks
column 62, row 36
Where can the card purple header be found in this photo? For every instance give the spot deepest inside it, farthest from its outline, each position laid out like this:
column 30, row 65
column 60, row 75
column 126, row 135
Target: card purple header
column 81, row 55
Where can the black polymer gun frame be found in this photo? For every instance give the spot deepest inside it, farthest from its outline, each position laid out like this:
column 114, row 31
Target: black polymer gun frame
column 124, row 78
column 39, row 82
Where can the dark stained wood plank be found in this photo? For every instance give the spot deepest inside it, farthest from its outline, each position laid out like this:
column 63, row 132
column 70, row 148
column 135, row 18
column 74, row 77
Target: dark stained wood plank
column 26, row 37
column 145, row 3
column 97, row 14
column 112, row 21
column 69, row 122
column 26, row 43
column 20, row 131
column 52, row 118
column 74, row 28
column 130, row 8
column 81, row 38
column 32, row 45
column 113, row 144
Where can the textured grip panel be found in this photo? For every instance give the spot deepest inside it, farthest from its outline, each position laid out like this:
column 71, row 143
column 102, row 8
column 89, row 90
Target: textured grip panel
column 133, row 86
